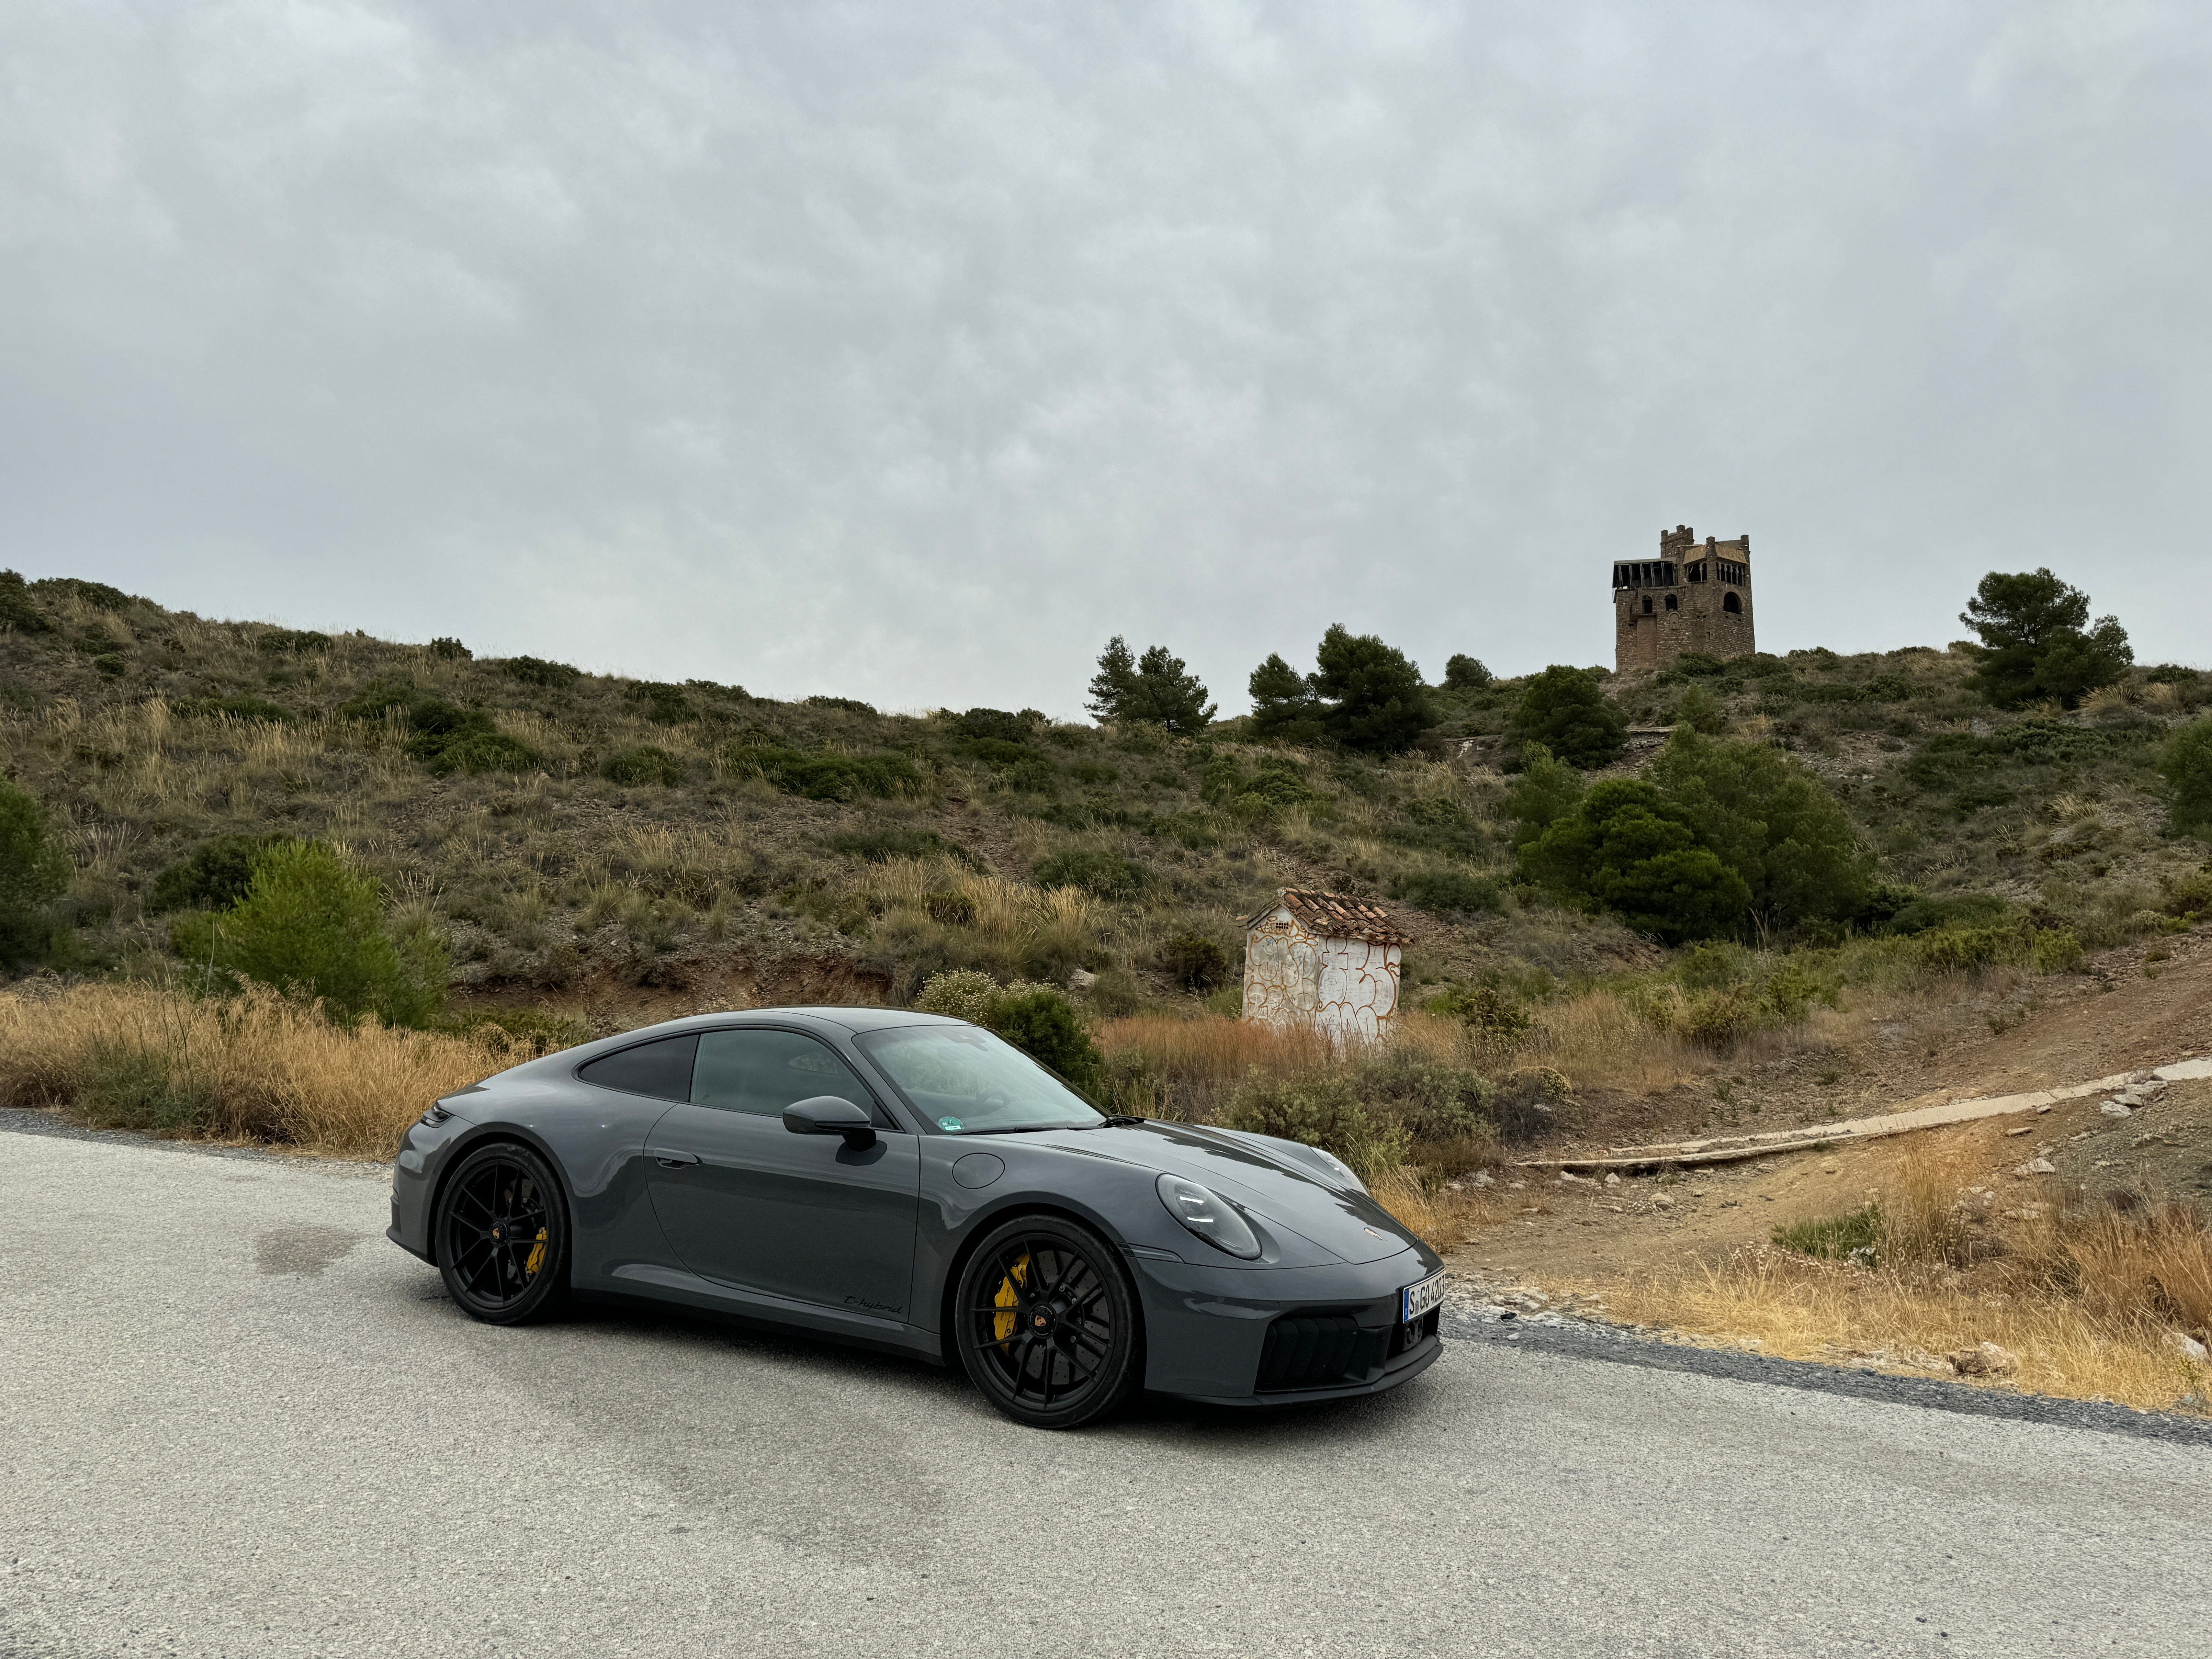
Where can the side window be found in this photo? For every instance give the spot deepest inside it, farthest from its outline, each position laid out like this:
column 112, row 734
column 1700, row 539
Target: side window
column 761, row 1072
column 662, row 1069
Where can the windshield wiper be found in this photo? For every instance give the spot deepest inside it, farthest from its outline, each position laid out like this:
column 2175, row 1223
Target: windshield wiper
column 1022, row 1129
column 1117, row 1121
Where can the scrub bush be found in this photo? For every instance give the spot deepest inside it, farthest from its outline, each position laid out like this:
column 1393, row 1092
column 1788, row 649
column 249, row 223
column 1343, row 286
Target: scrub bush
column 311, row 928
column 1102, row 875
column 536, row 670
column 217, row 876
column 1565, row 710
column 2185, row 764
column 823, row 774
column 643, row 765
column 1035, row 1018
column 35, row 871
column 1445, row 892
column 1194, row 962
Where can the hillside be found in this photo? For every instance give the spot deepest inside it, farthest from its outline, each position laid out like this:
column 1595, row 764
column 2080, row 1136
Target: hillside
column 623, row 849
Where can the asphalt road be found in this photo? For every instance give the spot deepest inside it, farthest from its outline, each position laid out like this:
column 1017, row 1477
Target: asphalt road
column 237, row 1421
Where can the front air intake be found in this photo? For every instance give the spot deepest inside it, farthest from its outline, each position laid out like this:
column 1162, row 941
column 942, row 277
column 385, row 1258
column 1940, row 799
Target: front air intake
column 1317, row 1350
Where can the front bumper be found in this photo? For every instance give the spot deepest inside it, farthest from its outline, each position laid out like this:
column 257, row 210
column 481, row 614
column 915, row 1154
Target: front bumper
column 1208, row 1329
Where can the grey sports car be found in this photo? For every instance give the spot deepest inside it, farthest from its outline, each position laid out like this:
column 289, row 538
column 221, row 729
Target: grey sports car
column 914, row 1183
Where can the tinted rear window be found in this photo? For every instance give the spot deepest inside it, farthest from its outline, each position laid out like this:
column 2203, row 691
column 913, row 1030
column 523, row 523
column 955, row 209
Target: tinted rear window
column 661, row 1069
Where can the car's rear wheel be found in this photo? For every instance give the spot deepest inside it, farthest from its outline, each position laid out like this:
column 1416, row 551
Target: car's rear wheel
column 1046, row 1323
column 502, row 1236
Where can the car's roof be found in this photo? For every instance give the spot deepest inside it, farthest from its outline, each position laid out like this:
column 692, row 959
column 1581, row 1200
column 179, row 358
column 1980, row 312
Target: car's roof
column 852, row 1019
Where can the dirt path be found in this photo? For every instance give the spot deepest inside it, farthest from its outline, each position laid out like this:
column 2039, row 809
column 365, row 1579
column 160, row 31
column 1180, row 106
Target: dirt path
column 1536, row 1227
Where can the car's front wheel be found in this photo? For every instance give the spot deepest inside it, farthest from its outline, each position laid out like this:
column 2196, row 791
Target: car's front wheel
column 502, row 1236
column 1046, row 1323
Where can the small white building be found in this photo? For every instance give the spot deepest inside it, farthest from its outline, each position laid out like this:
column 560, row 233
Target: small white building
column 1324, row 960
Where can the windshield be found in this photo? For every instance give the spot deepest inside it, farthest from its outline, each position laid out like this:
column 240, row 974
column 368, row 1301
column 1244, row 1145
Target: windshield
column 967, row 1081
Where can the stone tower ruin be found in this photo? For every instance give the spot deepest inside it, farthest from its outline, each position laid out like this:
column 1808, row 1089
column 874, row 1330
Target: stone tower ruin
column 1693, row 597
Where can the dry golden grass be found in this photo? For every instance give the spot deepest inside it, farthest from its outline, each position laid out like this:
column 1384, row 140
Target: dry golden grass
column 1213, row 1050
column 2089, row 1300
column 1596, row 1040
column 253, row 1067
column 1794, row 1307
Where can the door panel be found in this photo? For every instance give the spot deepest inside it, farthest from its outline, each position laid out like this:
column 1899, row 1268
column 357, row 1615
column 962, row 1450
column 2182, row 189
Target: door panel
column 805, row 1217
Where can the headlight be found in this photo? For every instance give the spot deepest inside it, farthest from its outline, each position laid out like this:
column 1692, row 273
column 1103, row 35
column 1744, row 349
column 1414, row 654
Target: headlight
column 434, row 1117
column 1204, row 1211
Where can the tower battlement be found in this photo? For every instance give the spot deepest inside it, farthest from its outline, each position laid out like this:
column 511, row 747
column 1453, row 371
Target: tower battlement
column 1695, row 596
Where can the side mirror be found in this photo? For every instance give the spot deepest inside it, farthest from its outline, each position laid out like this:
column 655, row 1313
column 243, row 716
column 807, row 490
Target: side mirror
column 828, row 1115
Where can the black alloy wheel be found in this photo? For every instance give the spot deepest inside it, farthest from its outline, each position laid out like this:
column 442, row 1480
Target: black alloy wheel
column 1046, row 1323
column 502, row 1236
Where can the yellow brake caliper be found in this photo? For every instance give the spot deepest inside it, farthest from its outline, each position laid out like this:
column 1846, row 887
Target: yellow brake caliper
column 537, row 1257
column 1002, row 1324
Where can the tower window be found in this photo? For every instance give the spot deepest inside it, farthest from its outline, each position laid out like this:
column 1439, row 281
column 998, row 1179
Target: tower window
column 1671, row 605
column 1647, row 604
column 1732, row 604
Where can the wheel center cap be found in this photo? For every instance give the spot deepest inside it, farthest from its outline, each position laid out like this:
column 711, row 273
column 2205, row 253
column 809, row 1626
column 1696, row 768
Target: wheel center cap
column 495, row 1233
column 1041, row 1320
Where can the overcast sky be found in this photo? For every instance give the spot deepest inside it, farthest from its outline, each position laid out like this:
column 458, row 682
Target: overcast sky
column 906, row 351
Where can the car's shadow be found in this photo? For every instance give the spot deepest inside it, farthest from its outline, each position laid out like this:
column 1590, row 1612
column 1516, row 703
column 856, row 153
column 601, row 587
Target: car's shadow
column 1189, row 1425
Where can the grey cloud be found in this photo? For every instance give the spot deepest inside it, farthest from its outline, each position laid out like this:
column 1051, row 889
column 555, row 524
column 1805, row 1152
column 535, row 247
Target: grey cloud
column 907, row 350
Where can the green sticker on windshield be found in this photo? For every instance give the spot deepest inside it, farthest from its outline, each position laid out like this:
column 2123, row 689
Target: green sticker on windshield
column 952, row 1123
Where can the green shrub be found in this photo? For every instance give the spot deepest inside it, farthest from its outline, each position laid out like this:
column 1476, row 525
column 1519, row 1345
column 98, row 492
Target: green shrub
column 994, row 725
column 121, row 1086
column 445, row 648
column 1701, row 711
column 664, row 704
column 1547, row 790
column 311, row 926
column 2186, row 895
column 291, row 642
column 1035, row 1018
column 237, row 709
column 848, row 705
column 98, row 595
column 112, row 664
column 2185, row 764
column 823, row 774
column 1101, row 874
column 2056, row 951
column 16, row 610
column 1772, row 823
column 1442, row 892
column 997, row 751
column 1718, row 1018
column 1565, row 710
column 34, row 872
column 1630, row 850
column 215, row 877
column 1194, row 960
column 477, row 752
column 880, row 846
column 536, row 670
column 1323, row 1109
column 644, row 764
column 1494, row 1015
column 1466, row 673
column 1837, row 1238
column 444, row 736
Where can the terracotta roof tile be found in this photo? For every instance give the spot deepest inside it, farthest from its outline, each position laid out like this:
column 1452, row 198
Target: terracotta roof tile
column 1335, row 916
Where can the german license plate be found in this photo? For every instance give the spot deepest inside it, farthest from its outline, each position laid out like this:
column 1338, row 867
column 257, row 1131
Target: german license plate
column 1418, row 1299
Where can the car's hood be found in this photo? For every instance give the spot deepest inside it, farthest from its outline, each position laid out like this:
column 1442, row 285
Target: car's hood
column 1257, row 1175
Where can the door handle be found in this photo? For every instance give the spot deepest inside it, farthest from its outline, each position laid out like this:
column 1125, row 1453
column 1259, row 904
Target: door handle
column 675, row 1160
